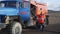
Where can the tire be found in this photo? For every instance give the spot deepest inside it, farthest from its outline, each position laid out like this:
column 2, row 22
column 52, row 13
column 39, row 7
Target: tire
column 15, row 28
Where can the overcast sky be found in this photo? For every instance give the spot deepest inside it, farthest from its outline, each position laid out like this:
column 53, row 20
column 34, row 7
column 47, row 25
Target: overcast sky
column 52, row 4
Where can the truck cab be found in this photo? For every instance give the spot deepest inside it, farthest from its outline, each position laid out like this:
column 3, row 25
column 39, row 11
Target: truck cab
column 9, row 16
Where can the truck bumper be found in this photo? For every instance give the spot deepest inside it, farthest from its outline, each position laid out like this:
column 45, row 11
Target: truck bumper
column 2, row 25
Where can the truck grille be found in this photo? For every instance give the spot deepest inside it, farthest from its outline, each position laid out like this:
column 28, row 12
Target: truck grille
column 2, row 18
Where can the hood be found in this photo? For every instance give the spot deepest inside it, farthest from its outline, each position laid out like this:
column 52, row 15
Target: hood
column 9, row 11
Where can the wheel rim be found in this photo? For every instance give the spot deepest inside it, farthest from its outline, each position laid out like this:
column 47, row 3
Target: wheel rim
column 17, row 30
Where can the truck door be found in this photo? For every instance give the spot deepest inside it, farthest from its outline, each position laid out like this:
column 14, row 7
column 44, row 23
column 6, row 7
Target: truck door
column 25, row 10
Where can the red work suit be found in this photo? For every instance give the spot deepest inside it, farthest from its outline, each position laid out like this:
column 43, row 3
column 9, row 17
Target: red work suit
column 41, row 18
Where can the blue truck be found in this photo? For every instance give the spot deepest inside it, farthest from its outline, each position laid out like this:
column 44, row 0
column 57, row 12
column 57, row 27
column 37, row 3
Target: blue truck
column 15, row 15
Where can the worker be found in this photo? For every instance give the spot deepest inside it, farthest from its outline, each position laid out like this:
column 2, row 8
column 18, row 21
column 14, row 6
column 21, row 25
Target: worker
column 41, row 22
column 41, row 16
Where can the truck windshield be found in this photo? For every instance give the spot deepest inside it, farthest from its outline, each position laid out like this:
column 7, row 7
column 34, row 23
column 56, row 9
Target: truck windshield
column 26, row 5
column 8, row 4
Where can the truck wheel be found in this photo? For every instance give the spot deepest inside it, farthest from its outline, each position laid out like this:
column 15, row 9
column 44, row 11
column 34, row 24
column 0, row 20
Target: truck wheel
column 15, row 28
